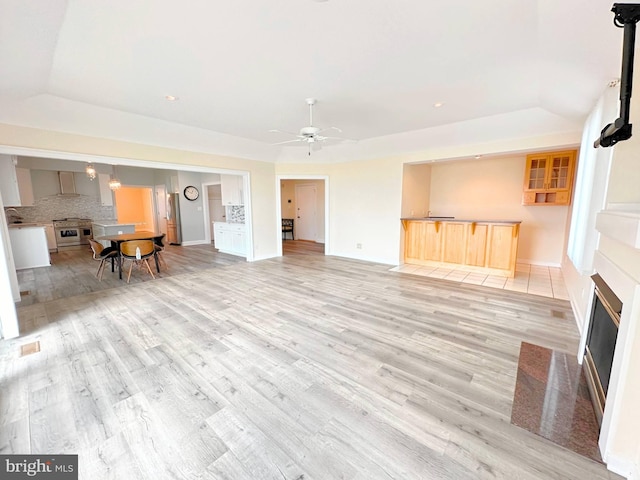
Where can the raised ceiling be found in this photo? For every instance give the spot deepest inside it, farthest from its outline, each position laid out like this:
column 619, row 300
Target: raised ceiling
column 243, row 67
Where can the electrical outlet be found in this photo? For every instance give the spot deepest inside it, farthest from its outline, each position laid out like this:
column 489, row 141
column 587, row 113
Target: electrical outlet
column 359, row 245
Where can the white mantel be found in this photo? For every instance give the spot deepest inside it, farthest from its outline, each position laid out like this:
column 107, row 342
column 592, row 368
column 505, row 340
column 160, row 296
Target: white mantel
column 617, row 261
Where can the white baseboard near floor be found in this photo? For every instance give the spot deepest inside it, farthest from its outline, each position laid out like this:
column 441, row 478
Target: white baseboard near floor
column 622, row 467
column 538, row 264
column 195, row 242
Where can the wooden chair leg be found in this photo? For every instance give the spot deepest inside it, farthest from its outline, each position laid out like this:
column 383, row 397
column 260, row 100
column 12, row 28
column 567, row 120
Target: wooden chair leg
column 130, row 267
column 100, row 270
column 146, row 260
column 162, row 262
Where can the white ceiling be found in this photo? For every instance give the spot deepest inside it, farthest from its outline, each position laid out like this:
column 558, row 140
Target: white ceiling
column 241, row 68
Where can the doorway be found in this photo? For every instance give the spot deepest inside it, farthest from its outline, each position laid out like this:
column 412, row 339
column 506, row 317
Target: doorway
column 134, row 205
column 161, row 208
column 217, row 212
column 304, row 200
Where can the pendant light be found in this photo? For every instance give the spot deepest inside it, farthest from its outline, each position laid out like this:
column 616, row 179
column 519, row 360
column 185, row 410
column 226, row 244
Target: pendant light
column 91, row 171
column 114, row 183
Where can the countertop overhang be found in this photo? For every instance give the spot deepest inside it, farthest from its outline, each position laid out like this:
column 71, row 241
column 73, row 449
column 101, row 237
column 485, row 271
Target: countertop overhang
column 455, row 220
column 26, row 225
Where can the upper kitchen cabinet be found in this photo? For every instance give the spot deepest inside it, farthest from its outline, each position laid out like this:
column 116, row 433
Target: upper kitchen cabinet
column 231, row 189
column 15, row 183
column 548, row 178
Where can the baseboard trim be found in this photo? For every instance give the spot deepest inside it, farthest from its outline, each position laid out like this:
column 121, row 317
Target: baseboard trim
column 538, row 264
column 625, row 468
column 195, row 242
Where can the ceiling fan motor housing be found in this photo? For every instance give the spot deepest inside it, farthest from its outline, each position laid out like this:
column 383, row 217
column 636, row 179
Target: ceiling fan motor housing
column 309, row 131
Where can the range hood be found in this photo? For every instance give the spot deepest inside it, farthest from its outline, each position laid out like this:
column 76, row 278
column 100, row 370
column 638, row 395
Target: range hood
column 67, row 184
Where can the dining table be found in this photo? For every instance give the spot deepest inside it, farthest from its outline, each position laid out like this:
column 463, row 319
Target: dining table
column 117, row 240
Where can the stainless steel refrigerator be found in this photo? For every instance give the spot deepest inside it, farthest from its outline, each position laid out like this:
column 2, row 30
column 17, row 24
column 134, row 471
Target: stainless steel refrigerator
column 174, row 231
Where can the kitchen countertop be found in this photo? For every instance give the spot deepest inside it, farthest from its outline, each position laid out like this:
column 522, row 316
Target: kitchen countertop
column 457, row 220
column 27, row 225
column 110, row 223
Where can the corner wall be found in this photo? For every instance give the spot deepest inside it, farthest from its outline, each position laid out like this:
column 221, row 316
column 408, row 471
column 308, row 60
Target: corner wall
column 491, row 189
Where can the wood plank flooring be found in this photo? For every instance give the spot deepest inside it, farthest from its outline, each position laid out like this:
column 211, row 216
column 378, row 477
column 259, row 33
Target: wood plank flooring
column 300, row 367
column 73, row 272
column 302, row 247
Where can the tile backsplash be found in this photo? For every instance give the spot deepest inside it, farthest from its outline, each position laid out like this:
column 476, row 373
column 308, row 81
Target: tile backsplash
column 53, row 207
column 235, row 214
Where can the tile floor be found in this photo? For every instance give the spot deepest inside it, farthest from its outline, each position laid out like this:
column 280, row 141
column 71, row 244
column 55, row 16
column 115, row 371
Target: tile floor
column 534, row 279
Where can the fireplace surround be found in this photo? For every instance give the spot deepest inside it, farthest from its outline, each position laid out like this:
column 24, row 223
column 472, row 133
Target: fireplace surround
column 601, row 342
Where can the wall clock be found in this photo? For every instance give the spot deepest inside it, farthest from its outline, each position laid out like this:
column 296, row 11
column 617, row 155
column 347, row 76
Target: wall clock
column 191, row 193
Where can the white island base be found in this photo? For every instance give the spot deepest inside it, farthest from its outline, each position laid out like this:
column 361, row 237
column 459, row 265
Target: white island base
column 29, row 247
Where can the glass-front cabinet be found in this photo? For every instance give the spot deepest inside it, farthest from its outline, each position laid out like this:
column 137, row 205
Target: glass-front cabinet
column 548, row 178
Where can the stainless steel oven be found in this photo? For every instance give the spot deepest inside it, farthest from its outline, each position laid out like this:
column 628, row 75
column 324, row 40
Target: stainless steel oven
column 72, row 233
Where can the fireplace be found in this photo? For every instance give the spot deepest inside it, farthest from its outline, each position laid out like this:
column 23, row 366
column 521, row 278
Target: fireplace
column 601, row 342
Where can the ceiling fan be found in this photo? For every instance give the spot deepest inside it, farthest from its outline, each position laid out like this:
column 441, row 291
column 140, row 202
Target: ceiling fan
column 310, row 135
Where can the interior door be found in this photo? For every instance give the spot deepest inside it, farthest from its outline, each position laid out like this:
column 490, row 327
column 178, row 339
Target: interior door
column 306, row 213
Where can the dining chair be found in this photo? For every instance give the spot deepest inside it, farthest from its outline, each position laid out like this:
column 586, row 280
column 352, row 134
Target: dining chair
column 159, row 246
column 102, row 254
column 287, row 227
column 138, row 252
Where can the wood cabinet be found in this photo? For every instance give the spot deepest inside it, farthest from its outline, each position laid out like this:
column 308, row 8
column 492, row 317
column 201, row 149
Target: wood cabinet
column 476, row 245
column 454, row 241
column 548, row 178
column 490, row 246
column 232, row 189
column 230, row 238
column 15, row 183
column 423, row 241
column 502, row 246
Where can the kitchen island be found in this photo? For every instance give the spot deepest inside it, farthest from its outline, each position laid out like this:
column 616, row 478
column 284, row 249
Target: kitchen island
column 102, row 228
column 29, row 245
column 488, row 246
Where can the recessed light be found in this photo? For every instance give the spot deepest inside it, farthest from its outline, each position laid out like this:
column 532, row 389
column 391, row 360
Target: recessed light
column 438, row 104
column 171, row 98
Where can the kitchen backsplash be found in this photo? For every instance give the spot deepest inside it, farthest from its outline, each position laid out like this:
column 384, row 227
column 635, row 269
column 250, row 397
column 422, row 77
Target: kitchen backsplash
column 56, row 207
column 235, row 214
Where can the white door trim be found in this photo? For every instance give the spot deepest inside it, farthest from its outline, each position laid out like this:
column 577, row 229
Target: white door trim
column 205, row 209
column 327, row 231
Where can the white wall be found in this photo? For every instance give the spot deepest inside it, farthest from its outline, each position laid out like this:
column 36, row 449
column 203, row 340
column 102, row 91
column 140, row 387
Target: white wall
column 491, row 189
column 619, row 265
column 416, row 190
column 364, row 206
column 9, row 289
column 623, row 434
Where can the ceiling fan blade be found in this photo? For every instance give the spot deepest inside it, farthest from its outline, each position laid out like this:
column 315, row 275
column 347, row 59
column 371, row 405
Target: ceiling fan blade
column 288, row 141
column 331, row 128
column 281, row 131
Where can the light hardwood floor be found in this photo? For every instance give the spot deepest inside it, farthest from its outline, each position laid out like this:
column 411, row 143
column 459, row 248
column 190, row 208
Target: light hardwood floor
column 73, row 272
column 302, row 247
column 300, row 367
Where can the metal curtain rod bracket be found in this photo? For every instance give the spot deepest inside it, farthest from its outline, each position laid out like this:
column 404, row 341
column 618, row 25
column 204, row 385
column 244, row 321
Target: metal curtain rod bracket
column 626, row 15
